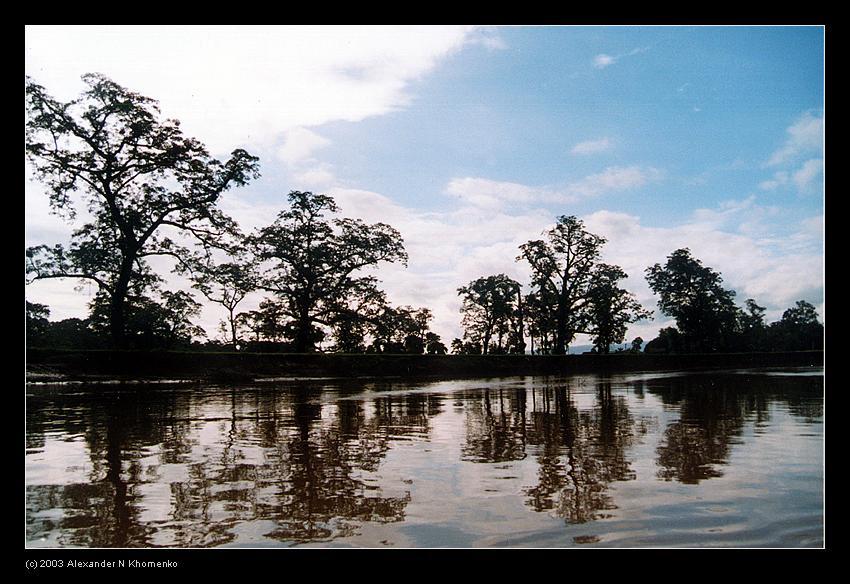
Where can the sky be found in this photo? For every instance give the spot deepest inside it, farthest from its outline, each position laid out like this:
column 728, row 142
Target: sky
column 473, row 140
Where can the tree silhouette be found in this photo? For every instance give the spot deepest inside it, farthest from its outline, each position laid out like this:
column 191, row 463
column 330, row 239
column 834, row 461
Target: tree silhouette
column 798, row 330
column 562, row 267
column 490, row 308
column 611, row 309
column 402, row 329
column 315, row 262
column 226, row 283
column 705, row 312
column 141, row 179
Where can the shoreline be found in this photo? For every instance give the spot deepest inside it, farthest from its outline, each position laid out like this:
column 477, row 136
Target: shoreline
column 51, row 366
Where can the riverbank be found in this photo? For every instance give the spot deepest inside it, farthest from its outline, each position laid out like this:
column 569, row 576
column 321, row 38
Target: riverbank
column 48, row 365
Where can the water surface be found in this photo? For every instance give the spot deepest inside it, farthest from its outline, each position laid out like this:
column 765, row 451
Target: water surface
column 728, row 459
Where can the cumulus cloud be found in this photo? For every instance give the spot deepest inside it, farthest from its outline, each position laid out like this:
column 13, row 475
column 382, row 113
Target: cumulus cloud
column 592, row 146
column 299, row 144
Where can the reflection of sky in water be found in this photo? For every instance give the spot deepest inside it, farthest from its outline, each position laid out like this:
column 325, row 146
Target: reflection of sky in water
column 469, row 463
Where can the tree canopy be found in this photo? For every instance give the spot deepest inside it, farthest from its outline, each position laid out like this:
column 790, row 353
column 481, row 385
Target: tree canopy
column 705, row 312
column 141, row 180
column 491, row 306
column 562, row 271
column 315, row 262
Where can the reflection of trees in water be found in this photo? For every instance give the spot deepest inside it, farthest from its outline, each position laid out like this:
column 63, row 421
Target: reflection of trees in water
column 495, row 425
column 275, row 458
column 579, row 453
column 184, row 467
column 713, row 411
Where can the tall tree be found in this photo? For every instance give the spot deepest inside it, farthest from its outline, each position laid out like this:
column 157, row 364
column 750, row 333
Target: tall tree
column 562, row 267
column 691, row 293
column 611, row 309
column 798, row 330
column 753, row 332
column 315, row 262
column 489, row 307
column 226, row 283
column 141, row 178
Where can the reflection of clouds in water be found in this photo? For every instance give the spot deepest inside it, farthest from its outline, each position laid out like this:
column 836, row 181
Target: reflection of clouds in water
column 480, row 462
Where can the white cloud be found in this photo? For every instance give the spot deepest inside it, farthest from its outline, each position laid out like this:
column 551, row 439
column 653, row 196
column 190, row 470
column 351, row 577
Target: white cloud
column 804, row 136
column 806, row 176
column 602, row 60
column 779, row 179
column 245, row 85
column 299, row 144
column 592, row 146
column 612, row 179
column 315, row 178
column 489, row 194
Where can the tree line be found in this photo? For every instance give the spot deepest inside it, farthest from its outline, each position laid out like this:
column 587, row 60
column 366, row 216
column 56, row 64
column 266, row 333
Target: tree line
column 150, row 191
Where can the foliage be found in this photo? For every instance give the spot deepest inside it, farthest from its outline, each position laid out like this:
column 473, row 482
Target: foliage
column 562, row 268
column 315, row 263
column 141, row 180
column 798, row 329
column 150, row 324
column 705, row 312
column 36, row 323
column 490, row 307
column 610, row 308
column 226, row 283
column 402, row 329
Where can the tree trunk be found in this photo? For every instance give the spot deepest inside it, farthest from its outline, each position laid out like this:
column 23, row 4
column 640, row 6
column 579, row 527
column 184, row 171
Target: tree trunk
column 234, row 341
column 118, row 307
column 303, row 344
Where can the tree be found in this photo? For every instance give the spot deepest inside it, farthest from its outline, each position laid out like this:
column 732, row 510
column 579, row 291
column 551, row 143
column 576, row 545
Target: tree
column 460, row 347
column 166, row 324
column 489, row 307
column 141, row 180
column 798, row 330
column 691, row 293
column 637, row 343
column 611, row 309
column 753, row 332
column 540, row 319
column 315, row 262
column 669, row 340
column 226, row 283
column 267, row 323
column 400, row 330
column 434, row 345
column 37, row 323
column 562, row 268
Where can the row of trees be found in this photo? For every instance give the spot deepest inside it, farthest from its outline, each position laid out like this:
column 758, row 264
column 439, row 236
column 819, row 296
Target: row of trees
column 150, row 191
column 572, row 292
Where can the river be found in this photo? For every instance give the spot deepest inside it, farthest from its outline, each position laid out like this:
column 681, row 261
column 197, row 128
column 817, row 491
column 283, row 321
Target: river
column 661, row 459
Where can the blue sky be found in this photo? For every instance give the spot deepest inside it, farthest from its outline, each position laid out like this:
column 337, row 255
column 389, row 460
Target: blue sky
column 471, row 140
